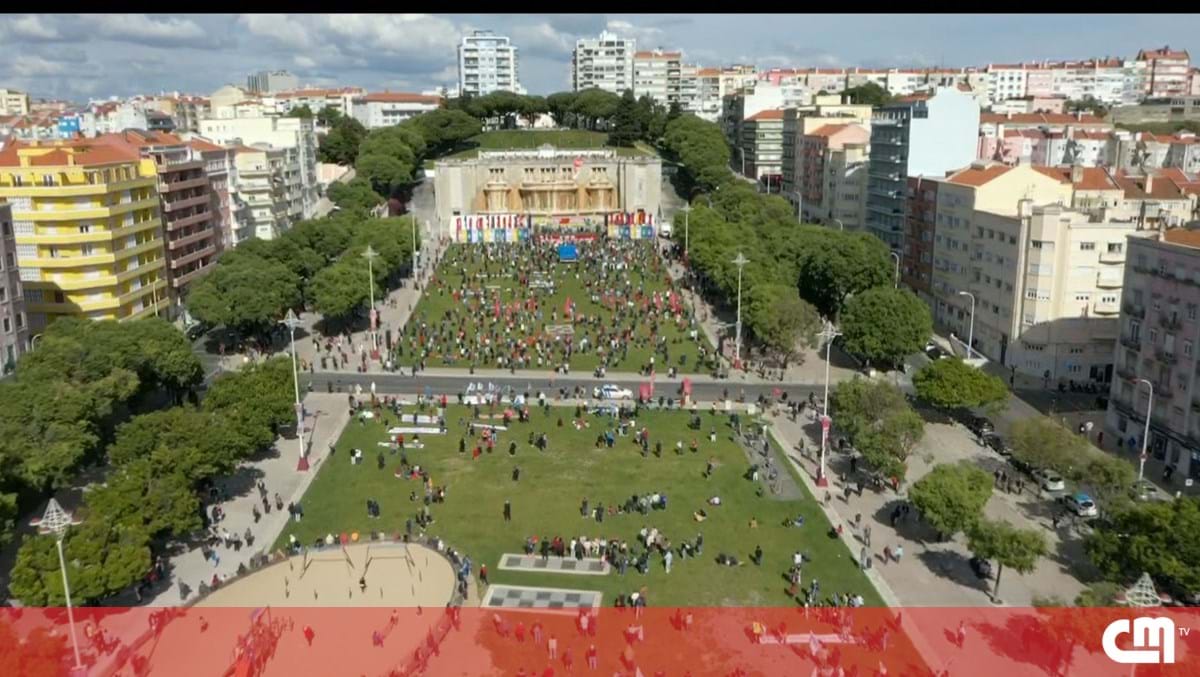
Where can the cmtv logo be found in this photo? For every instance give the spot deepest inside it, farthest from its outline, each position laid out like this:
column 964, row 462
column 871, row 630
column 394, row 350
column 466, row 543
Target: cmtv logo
column 1153, row 640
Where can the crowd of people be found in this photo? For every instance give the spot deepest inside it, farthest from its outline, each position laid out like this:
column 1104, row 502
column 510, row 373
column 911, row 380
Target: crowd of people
column 509, row 310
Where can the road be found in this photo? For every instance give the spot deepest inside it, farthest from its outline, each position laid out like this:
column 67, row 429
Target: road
column 324, row 206
column 393, row 384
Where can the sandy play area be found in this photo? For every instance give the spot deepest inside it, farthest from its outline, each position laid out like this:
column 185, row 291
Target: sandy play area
column 396, row 575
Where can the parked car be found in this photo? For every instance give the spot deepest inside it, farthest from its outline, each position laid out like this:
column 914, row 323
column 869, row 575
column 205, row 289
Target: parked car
column 996, row 444
column 981, row 567
column 1049, row 480
column 196, row 330
column 978, row 424
column 1082, row 505
column 933, row 352
column 1145, row 490
column 610, row 391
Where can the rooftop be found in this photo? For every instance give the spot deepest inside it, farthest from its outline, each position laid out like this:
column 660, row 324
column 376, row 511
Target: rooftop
column 766, row 115
column 399, row 97
column 977, row 174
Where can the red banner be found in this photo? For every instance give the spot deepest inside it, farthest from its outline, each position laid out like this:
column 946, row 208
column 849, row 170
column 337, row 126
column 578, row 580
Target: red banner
column 378, row 640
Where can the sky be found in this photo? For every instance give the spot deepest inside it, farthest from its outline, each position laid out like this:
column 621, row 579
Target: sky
column 96, row 56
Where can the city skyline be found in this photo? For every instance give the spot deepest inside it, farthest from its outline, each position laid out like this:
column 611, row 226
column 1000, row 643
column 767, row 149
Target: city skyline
column 84, row 57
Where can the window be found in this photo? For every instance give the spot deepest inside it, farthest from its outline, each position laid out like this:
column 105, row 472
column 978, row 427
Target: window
column 85, row 228
column 1191, row 311
column 3, row 294
column 1187, row 348
column 1085, row 296
column 85, row 250
column 7, row 326
column 1087, row 246
column 1116, row 247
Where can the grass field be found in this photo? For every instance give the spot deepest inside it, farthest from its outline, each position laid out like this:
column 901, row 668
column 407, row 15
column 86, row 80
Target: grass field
column 546, row 503
column 559, row 138
column 437, row 300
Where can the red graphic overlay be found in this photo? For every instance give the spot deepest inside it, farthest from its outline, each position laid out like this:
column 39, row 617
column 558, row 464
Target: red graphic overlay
column 653, row 641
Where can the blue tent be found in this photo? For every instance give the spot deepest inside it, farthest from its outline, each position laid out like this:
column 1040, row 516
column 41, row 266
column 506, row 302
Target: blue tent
column 568, row 252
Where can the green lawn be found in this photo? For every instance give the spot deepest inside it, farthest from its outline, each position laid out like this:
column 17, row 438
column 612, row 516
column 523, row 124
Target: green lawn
column 649, row 275
column 508, row 139
column 547, row 498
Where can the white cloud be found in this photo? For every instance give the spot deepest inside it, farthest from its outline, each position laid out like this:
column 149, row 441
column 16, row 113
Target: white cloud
column 284, row 29
column 542, row 39
column 302, row 61
column 647, row 37
column 31, row 26
column 141, row 28
column 29, row 65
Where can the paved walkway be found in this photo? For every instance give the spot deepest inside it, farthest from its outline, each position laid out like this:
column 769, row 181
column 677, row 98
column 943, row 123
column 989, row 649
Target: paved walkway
column 588, row 566
column 327, row 416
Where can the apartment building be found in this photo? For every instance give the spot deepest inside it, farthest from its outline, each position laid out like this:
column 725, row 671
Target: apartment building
column 658, row 74
column 14, row 328
column 1167, row 109
column 920, row 230
column 295, row 136
column 269, row 82
column 227, row 207
column 1167, row 71
column 918, row 135
column 605, row 63
column 88, row 230
column 747, row 102
column 340, row 99
column 1022, row 105
column 13, row 102
column 487, row 63
column 1045, row 279
column 825, row 109
column 831, row 174
column 261, row 183
column 191, row 229
column 386, row 109
column 1159, row 337
column 762, row 146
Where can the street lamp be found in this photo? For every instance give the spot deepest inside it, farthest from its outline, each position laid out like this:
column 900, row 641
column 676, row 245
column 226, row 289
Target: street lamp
column 897, row 257
column 55, row 521
column 740, row 262
column 370, row 254
column 1146, row 430
column 33, row 341
column 686, row 209
column 830, row 333
column 412, row 214
column 971, row 330
column 292, row 322
column 841, row 226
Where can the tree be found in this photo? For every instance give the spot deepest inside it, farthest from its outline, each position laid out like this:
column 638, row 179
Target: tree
column 1042, row 442
column 626, row 128
column 783, row 321
column 953, row 384
column 1088, row 104
column 879, row 422
column 196, row 444
column 1152, row 537
column 258, row 400
column 559, row 106
column 340, row 290
column 595, row 105
column 341, row 144
column 886, row 325
column 355, row 196
column 532, row 108
column 868, row 93
column 445, row 130
column 102, row 557
column 328, row 115
column 386, row 173
column 952, row 496
column 841, row 264
column 1015, row 548
column 248, row 295
column 301, row 111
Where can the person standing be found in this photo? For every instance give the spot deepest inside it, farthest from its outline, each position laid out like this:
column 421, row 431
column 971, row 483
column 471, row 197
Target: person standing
column 667, row 557
column 552, row 647
column 898, row 552
column 309, row 634
column 483, row 574
column 592, row 659
column 507, row 510
column 961, row 635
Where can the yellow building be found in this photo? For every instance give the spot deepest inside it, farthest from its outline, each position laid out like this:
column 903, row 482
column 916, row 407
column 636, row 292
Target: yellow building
column 88, row 230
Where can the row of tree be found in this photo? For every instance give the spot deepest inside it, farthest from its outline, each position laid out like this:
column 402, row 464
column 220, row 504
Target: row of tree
column 158, row 463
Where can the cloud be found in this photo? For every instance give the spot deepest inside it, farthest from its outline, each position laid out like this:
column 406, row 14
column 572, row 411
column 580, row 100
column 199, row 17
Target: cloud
column 281, row 28
column 30, row 65
column 648, row 37
column 304, row 62
column 543, row 40
column 577, row 24
column 145, row 30
column 32, row 27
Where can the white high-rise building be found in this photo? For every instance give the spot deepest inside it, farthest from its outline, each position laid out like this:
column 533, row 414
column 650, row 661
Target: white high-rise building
column 605, row 62
column 269, row 82
column 487, row 63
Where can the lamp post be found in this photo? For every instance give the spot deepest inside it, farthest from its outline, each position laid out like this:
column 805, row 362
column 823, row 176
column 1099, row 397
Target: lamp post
column 292, row 322
column 971, row 330
column 55, row 521
column 841, row 226
column 412, row 214
column 830, row 333
column 33, row 341
column 1146, row 430
column 740, row 262
column 370, row 254
column 799, row 206
column 686, row 209
column 897, row 257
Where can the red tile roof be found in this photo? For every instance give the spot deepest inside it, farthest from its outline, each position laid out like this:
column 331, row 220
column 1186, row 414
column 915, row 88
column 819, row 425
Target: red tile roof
column 772, row 114
column 400, row 97
column 1161, row 188
column 1092, row 178
column 1165, row 53
column 85, row 153
column 657, row 55
column 1041, row 119
column 297, row 93
column 204, row 146
column 976, row 176
column 827, row 130
column 1183, row 236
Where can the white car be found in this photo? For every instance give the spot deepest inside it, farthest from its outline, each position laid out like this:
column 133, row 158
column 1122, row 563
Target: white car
column 1049, row 480
column 611, row 391
column 1082, row 505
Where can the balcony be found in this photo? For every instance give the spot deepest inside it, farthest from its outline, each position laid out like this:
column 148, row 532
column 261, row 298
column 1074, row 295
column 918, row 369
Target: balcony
column 1170, row 323
column 198, row 182
column 1127, row 373
column 1131, row 342
column 180, row 243
column 1112, row 257
column 1166, row 357
column 1109, row 282
column 1130, row 308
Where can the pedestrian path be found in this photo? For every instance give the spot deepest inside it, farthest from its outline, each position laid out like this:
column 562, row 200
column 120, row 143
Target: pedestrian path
column 588, row 566
column 522, row 597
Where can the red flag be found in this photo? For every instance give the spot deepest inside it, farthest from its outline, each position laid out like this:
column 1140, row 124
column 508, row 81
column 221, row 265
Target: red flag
column 567, row 306
column 496, row 308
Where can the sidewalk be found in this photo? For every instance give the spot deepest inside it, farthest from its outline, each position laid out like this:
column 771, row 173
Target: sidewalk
column 327, row 416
